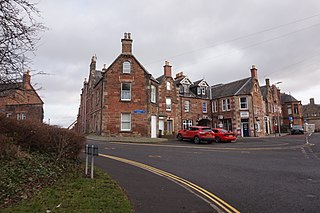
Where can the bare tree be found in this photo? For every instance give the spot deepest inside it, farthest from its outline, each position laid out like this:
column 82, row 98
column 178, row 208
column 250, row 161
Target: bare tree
column 19, row 35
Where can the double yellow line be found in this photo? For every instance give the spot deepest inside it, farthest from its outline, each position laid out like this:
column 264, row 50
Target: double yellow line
column 219, row 203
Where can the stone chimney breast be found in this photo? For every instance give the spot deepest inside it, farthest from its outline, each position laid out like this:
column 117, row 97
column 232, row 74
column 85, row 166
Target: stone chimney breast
column 126, row 44
column 167, row 69
column 254, row 72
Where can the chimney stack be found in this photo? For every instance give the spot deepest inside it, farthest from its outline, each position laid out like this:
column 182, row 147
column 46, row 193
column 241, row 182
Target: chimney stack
column 311, row 101
column 93, row 63
column 127, row 44
column 27, row 80
column 167, row 69
column 254, row 72
column 268, row 82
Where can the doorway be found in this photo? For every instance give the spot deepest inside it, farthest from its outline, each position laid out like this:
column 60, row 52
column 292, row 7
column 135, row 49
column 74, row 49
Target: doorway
column 245, row 128
column 153, row 126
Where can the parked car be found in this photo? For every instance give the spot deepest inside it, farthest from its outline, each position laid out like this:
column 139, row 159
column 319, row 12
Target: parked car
column 197, row 134
column 223, row 135
column 297, row 129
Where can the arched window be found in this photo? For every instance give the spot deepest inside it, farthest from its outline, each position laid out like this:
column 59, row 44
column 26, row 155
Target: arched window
column 126, row 67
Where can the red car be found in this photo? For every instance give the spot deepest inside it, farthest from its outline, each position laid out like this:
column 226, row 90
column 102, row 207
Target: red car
column 224, row 135
column 197, row 134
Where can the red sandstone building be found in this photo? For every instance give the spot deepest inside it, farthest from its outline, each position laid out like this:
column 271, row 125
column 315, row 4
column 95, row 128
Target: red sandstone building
column 124, row 99
column 21, row 101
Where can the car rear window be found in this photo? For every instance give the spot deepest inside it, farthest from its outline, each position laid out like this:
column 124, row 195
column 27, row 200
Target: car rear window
column 206, row 129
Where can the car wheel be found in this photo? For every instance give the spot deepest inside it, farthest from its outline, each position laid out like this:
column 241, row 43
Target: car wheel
column 218, row 140
column 196, row 139
column 180, row 138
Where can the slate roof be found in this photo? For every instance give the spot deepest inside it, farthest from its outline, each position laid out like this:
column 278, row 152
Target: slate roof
column 160, row 79
column 286, row 98
column 264, row 91
column 240, row 87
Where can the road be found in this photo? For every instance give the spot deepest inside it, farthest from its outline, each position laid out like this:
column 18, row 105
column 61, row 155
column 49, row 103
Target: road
column 275, row 174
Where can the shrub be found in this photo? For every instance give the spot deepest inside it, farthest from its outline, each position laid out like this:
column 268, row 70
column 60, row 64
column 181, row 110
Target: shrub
column 35, row 136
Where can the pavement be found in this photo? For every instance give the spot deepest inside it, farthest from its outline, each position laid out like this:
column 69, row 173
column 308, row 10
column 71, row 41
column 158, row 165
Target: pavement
column 126, row 139
column 160, row 140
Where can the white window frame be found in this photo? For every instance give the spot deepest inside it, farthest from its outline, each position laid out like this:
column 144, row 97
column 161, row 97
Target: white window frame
column 243, row 103
column 198, row 90
column 289, row 109
column 204, row 107
column 226, row 104
column 214, row 106
column 21, row 116
column 187, row 106
column 168, row 86
column 168, row 104
column 203, row 91
column 153, row 94
column 124, row 120
column 123, row 98
column 126, row 67
column 186, row 124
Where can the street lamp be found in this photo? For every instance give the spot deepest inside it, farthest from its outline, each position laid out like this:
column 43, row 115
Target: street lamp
column 278, row 114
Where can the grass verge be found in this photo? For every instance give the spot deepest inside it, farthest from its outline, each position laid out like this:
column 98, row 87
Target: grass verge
column 76, row 193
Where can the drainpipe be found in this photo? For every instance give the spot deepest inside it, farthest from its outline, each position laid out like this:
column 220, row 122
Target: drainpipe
column 101, row 106
column 253, row 117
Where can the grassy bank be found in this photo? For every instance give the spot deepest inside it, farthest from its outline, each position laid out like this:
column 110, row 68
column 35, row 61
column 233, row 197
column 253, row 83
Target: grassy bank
column 40, row 172
column 75, row 193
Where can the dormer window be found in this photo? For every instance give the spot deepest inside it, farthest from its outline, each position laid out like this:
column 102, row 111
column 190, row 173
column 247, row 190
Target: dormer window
column 198, row 90
column 126, row 67
column 203, row 91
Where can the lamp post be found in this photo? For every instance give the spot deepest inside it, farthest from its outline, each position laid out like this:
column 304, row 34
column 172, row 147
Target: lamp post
column 278, row 114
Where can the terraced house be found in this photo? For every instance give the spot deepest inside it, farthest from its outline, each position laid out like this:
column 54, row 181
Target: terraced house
column 124, row 99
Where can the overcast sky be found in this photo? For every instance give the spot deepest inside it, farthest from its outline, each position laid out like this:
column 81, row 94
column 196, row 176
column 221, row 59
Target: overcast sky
column 217, row 40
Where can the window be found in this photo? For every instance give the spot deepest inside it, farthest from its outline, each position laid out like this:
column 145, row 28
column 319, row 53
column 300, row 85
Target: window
column 243, row 103
column 289, row 109
column 186, row 106
column 215, row 106
column 186, row 89
column 168, row 86
column 9, row 114
column 181, row 89
column 125, row 122
column 198, row 90
column 21, row 116
column 186, row 124
column 125, row 91
column 226, row 104
column 204, row 107
column 126, row 67
column 153, row 94
column 295, row 109
column 168, row 104
column 203, row 91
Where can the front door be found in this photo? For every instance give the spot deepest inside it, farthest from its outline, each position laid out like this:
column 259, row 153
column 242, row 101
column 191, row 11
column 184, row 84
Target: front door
column 153, row 126
column 169, row 127
column 161, row 125
column 245, row 129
